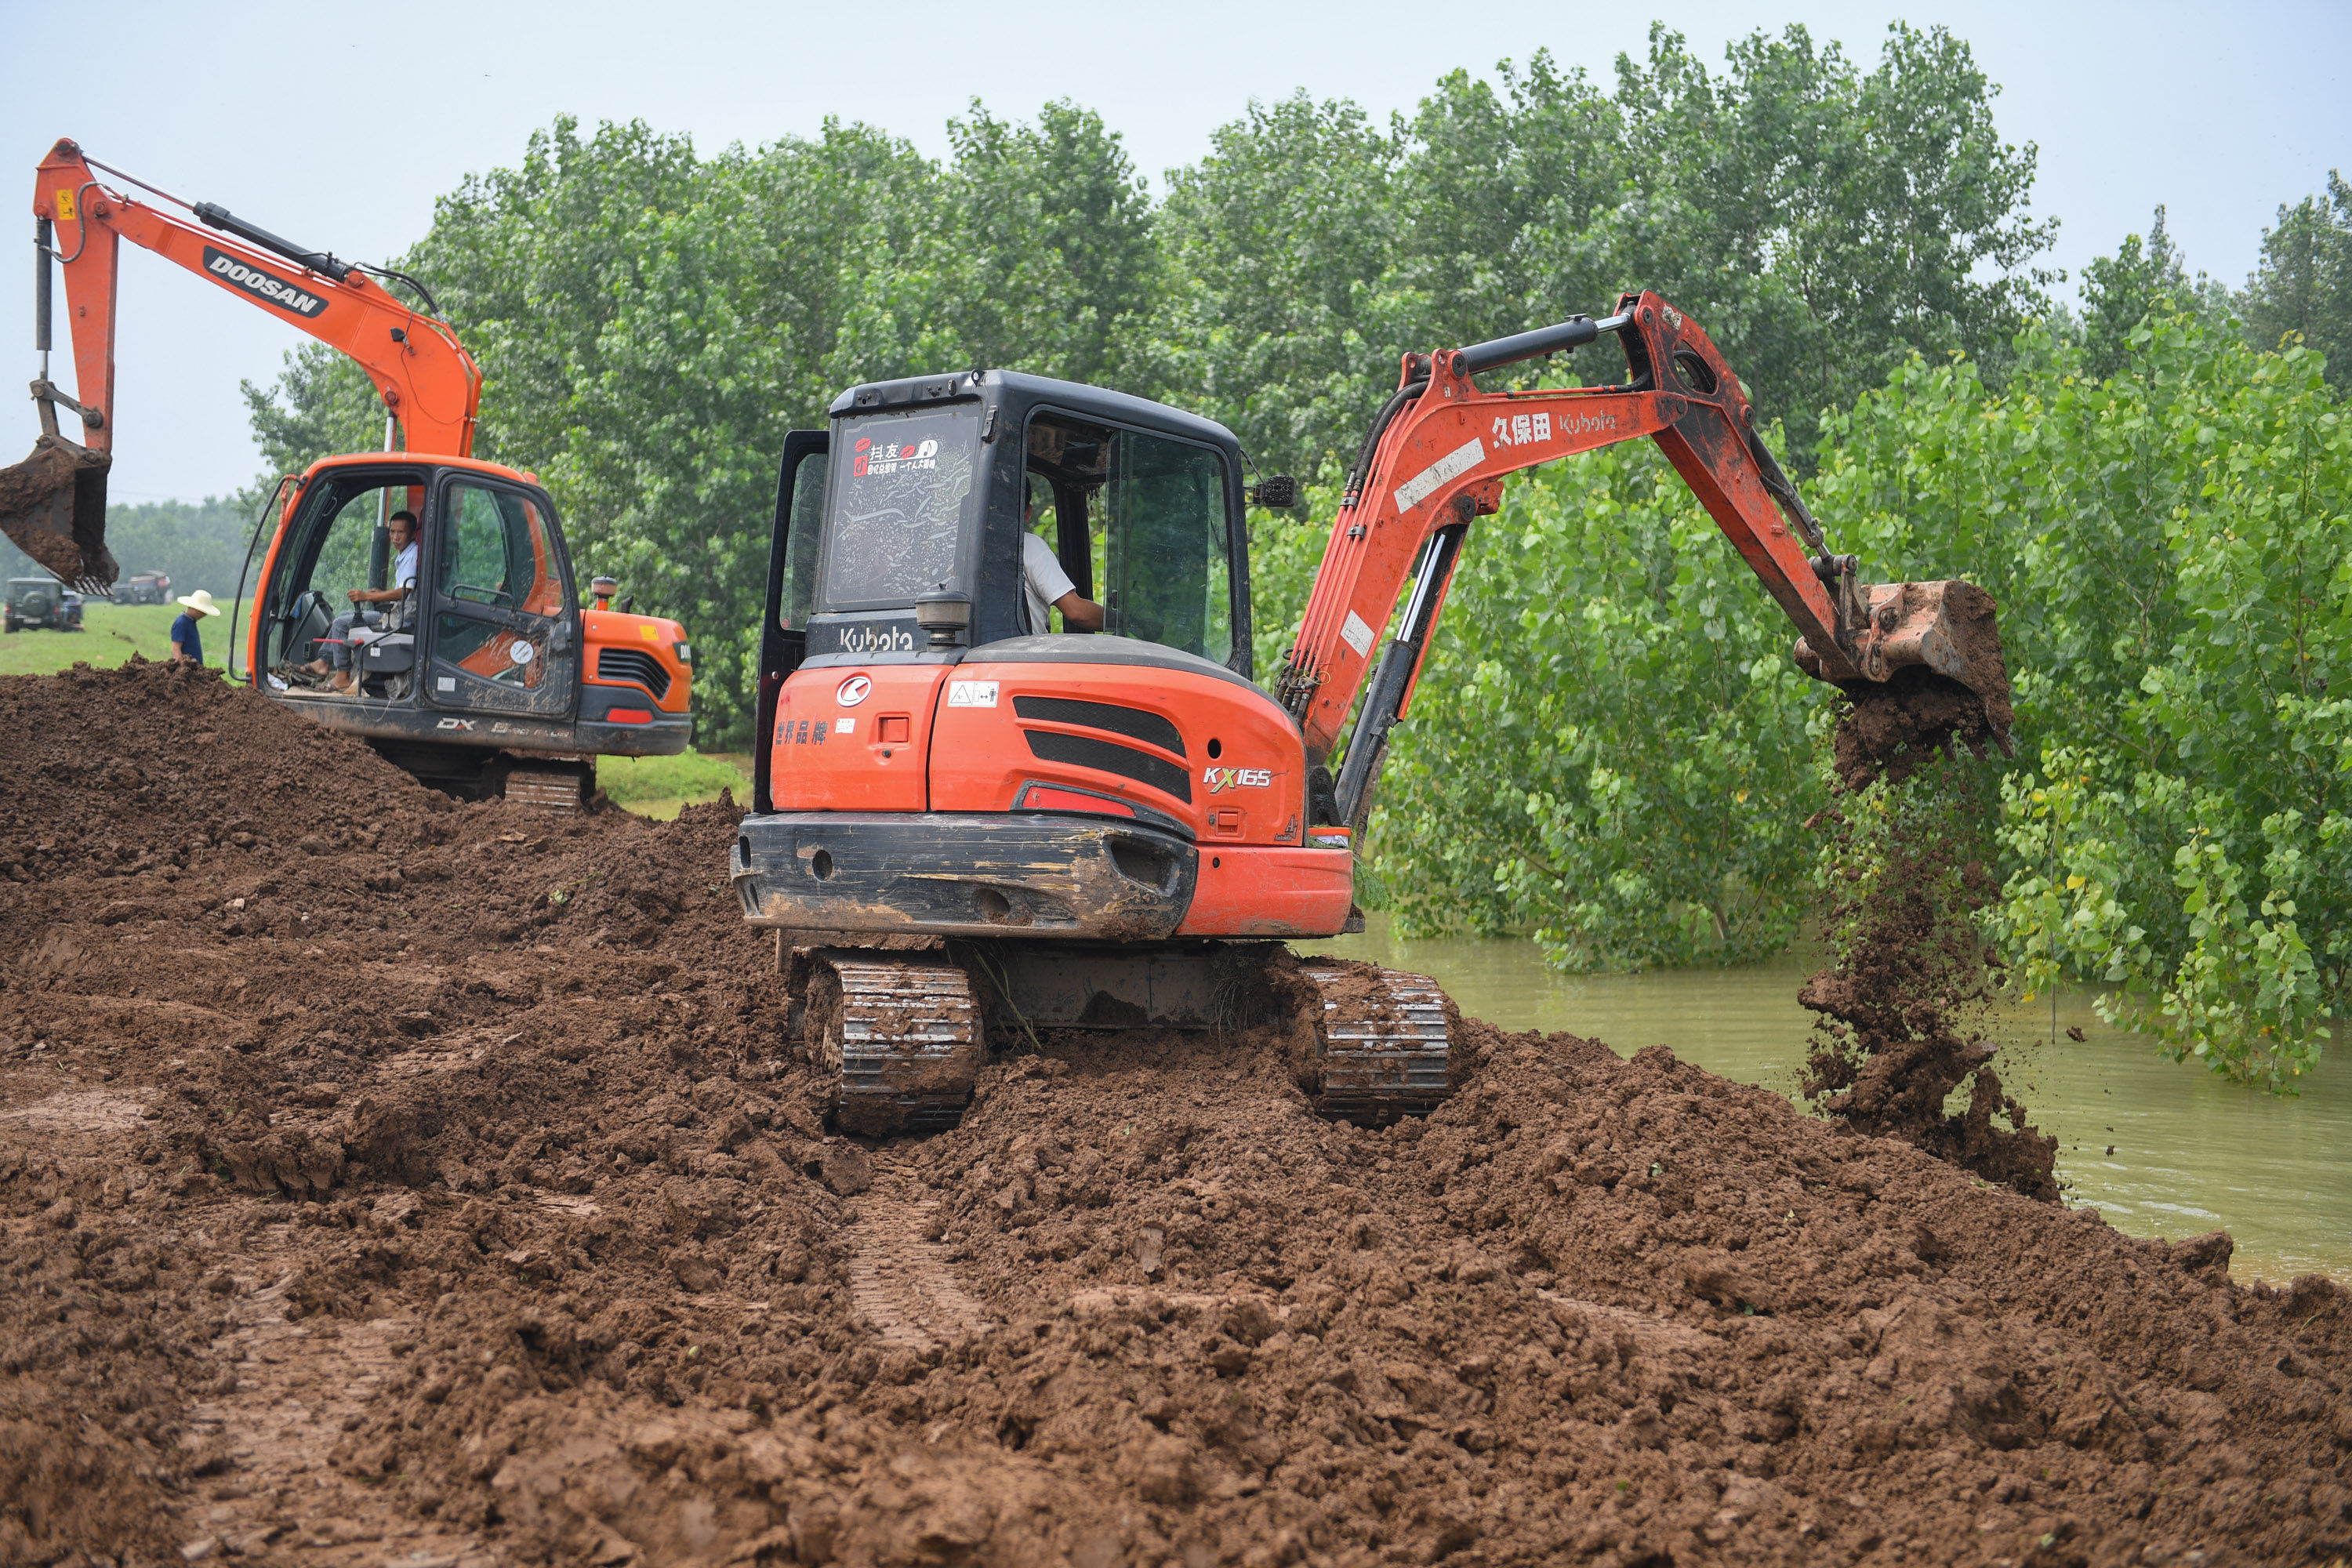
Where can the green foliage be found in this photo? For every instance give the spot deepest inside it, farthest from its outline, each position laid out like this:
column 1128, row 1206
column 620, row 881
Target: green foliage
column 1608, row 746
column 1821, row 223
column 2302, row 285
column 1035, row 253
column 1271, row 321
column 2143, row 278
column 2172, row 556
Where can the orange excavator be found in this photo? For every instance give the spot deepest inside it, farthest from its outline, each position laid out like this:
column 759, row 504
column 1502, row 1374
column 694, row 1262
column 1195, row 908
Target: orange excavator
column 972, row 825
column 467, row 657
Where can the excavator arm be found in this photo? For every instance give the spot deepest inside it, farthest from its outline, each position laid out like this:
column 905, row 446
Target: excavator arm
column 1436, row 457
column 53, row 504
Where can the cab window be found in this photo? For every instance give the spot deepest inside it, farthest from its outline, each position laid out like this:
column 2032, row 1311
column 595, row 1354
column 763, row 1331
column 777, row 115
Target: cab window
column 1138, row 522
column 340, row 542
column 900, row 493
column 500, row 589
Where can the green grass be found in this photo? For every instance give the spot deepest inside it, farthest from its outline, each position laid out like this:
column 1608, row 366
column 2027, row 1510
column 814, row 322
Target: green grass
column 660, row 787
column 111, row 633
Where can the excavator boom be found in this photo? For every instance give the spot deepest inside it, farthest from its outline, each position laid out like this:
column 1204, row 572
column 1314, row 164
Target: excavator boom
column 53, row 505
column 1436, row 457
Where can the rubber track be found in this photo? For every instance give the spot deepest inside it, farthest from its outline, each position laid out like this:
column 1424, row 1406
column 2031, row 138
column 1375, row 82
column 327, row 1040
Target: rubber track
column 1385, row 1059
column 909, row 1044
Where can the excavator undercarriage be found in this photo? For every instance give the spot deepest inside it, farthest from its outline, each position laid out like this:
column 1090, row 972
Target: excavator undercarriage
column 902, row 1034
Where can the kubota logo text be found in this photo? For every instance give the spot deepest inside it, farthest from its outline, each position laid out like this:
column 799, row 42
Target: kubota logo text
column 1219, row 780
column 870, row 639
column 262, row 285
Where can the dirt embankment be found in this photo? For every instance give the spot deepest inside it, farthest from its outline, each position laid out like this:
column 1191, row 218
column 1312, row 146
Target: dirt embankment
column 385, row 1180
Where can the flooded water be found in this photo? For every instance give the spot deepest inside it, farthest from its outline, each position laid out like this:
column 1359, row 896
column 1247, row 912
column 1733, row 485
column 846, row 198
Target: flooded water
column 2190, row 1152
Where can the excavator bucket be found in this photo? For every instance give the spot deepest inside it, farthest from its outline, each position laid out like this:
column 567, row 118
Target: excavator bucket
column 53, row 508
column 1932, row 673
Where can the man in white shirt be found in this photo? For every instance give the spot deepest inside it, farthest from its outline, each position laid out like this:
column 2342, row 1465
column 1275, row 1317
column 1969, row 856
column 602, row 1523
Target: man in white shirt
column 1043, row 582
column 339, row 641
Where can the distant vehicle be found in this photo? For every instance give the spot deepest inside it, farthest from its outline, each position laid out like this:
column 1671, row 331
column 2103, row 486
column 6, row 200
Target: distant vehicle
column 42, row 603
column 483, row 671
column 147, row 588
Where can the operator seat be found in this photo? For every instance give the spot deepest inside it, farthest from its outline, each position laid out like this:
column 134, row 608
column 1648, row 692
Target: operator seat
column 306, row 624
column 384, row 664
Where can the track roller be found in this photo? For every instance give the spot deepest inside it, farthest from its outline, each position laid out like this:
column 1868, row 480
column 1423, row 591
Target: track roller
column 1382, row 1043
column 901, row 1040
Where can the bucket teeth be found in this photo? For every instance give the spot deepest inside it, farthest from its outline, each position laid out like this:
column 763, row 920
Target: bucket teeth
column 904, row 1043
column 53, row 508
column 1384, row 1047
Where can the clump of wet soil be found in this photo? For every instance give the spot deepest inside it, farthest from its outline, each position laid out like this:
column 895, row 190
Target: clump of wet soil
column 454, row 1197
column 1902, row 999
column 1890, row 728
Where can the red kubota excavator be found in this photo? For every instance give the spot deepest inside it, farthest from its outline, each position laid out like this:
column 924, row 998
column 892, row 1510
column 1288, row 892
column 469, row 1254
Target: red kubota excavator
column 487, row 675
column 1119, row 829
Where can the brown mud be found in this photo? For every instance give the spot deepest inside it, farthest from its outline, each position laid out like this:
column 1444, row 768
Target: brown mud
column 389, row 1181
column 1902, row 1000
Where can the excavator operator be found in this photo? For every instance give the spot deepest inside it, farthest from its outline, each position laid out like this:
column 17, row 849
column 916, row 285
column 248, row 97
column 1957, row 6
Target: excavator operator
column 1044, row 580
column 339, row 640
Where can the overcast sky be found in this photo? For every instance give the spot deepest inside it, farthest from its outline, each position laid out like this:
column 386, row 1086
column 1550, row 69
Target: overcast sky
column 337, row 125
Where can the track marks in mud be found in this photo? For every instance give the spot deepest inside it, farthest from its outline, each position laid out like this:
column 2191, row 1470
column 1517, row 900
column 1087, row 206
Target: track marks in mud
column 80, row 1111
column 901, row 1280
column 295, row 1391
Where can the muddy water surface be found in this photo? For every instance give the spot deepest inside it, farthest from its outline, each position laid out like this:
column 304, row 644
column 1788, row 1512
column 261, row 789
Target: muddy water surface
column 2192, row 1154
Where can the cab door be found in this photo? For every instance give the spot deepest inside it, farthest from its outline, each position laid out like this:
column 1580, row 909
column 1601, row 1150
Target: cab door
column 792, row 587
column 503, row 629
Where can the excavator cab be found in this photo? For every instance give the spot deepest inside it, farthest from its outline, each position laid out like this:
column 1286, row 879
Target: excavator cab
column 900, row 561
column 475, row 667
column 921, row 518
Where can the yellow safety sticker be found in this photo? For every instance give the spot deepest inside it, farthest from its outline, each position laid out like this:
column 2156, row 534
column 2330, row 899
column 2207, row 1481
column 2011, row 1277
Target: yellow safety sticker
column 65, row 203
column 649, row 633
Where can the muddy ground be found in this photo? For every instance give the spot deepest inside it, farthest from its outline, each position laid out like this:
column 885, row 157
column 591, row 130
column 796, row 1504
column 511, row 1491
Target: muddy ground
column 387, row 1180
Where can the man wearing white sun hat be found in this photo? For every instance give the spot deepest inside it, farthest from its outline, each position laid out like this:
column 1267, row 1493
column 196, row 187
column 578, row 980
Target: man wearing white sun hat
column 187, row 647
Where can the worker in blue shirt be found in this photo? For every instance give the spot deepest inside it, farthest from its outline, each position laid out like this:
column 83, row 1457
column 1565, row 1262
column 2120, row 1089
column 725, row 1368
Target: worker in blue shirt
column 187, row 644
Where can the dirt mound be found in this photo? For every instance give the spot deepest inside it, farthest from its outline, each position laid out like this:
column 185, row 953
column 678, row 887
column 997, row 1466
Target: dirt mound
column 453, row 1200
